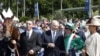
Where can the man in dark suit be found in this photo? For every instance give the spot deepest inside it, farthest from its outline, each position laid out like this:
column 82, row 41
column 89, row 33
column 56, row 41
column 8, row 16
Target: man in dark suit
column 53, row 41
column 30, row 41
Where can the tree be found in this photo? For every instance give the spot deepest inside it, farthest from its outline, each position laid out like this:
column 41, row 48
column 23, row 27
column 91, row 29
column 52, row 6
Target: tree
column 46, row 7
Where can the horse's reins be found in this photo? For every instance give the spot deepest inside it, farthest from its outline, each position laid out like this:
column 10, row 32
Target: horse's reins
column 15, row 46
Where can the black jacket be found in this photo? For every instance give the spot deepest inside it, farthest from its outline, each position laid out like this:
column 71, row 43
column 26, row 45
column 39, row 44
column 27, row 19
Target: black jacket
column 59, row 49
column 27, row 44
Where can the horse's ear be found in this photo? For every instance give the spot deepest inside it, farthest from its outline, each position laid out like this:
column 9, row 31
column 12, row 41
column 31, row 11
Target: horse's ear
column 2, row 16
column 12, row 17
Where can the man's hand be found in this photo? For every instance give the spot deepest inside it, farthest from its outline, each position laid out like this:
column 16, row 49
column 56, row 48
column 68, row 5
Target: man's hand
column 83, row 50
column 52, row 45
column 13, row 42
column 31, row 52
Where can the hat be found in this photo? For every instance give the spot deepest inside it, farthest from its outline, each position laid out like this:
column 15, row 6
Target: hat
column 93, row 21
column 69, row 26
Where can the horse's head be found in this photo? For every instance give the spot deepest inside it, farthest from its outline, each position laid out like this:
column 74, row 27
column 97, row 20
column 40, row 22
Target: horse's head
column 8, row 28
column 7, row 25
column 9, row 31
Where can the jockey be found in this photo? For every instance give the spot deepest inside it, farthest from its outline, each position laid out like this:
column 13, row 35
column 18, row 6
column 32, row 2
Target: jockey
column 73, row 43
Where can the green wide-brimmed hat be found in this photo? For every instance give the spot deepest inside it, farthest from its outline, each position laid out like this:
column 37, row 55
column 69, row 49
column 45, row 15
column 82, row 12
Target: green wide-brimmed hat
column 69, row 26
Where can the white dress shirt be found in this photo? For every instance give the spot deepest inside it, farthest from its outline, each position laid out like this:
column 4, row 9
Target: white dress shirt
column 29, row 33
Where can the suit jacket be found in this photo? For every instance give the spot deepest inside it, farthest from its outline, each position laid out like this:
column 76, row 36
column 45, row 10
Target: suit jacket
column 93, row 44
column 27, row 44
column 81, row 34
column 58, row 50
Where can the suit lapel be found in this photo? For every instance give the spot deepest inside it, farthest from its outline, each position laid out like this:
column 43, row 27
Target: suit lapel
column 49, row 35
column 25, row 37
column 57, row 34
column 32, row 35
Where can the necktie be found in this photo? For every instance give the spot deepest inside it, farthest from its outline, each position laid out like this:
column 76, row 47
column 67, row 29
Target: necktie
column 27, row 35
column 53, row 36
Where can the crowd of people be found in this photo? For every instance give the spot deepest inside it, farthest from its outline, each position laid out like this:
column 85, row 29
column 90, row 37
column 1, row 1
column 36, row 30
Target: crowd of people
column 56, row 38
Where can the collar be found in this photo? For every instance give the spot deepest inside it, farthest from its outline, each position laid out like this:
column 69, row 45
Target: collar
column 68, row 35
column 29, row 31
column 53, row 31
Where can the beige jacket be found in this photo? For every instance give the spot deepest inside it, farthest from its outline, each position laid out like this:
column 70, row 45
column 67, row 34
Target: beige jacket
column 93, row 44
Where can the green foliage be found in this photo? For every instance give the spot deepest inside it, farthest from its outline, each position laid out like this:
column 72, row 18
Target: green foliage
column 47, row 8
column 58, row 15
column 23, row 18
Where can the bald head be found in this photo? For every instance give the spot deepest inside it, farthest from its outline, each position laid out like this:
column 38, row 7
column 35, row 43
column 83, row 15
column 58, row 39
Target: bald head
column 54, row 25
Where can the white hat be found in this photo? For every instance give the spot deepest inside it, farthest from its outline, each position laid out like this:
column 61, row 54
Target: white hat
column 93, row 21
column 97, row 16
